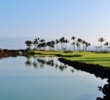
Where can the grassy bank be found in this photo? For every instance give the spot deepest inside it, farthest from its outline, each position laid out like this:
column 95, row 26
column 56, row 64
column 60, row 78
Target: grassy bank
column 86, row 57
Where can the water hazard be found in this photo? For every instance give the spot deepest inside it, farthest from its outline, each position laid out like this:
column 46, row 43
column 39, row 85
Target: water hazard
column 45, row 78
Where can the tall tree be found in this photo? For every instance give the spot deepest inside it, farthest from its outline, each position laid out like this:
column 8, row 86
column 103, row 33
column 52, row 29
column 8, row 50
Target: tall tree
column 49, row 44
column 73, row 38
column 62, row 41
column 73, row 43
column 83, row 42
column 57, row 41
column 52, row 44
column 39, row 46
column 44, row 45
column 79, row 40
column 42, row 40
column 66, row 41
column 29, row 44
column 89, row 45
column 96, row 48
column 106, row 45
column 35, row 43
column 77, row 44
column 101, row 40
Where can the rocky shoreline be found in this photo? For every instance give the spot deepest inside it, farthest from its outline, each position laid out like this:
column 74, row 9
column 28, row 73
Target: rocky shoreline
column 6, row 52
column 97, row 70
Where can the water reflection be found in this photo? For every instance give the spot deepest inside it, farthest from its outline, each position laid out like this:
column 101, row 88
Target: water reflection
column 28, row 62
column 105, row 90
column 6, row 56
column 40, row 62
column 97, row 70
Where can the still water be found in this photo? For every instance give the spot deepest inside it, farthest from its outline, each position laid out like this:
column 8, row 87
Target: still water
column 45, row 78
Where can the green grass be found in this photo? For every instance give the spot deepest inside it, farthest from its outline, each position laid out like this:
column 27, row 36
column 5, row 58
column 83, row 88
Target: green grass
column 87, row 57
column 93, row 58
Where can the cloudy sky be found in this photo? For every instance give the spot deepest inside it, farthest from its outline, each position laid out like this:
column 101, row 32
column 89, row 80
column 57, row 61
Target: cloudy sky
column 86, row 19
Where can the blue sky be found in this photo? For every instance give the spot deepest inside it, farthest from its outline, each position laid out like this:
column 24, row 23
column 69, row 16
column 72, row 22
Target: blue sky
column 86, row 19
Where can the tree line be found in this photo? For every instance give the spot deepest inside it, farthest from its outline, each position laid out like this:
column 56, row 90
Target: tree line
column 41, row 44
column 106, row 44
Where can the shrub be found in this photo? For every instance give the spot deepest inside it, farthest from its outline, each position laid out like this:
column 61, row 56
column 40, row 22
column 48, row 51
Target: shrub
column 68, row 51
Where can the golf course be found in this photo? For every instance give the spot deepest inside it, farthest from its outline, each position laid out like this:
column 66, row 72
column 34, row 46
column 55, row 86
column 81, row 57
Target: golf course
column 100, row 58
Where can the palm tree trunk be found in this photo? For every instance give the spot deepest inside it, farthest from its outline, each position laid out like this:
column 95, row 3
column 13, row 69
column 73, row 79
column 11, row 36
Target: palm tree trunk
column 74, row 47
column 83, row 47
column 101, row 46
column 79, row 48
column 56, row 47
column 66, row 46
column 61, row 46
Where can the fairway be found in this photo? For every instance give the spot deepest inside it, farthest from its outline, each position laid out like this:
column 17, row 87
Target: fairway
column 86, row 57
column 93, row 58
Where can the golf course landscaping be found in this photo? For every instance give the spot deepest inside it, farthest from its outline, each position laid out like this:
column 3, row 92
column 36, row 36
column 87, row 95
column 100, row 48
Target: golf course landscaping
column 99, row 58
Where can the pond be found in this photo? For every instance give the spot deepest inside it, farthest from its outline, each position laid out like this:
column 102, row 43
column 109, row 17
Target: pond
column 45, row 78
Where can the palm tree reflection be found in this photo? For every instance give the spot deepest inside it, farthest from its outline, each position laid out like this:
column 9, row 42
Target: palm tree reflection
column 40, row 62
column 35, row 63
column 50, row 62
column 72, row 70
column 28, row 63
column 105, row 90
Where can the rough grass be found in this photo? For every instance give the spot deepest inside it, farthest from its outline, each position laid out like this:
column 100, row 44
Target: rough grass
column 86, row 57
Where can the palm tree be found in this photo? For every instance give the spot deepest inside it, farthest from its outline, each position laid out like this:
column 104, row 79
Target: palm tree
column 89, row 44
column 49, row 44
column 83, row 42
column 73, row 43
column 29, row 44
column 43, row 45
column 106, row 44
column 66, row 41
column 39, row 46
column 52, row 44
column 79, row 40
column 101, row 40
column 62, row 41
column 99, row 47
column 35, row 43
column 96, row 48
column 42, row 40
column 73, row 38
column 57, row 41
column 77, row 44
